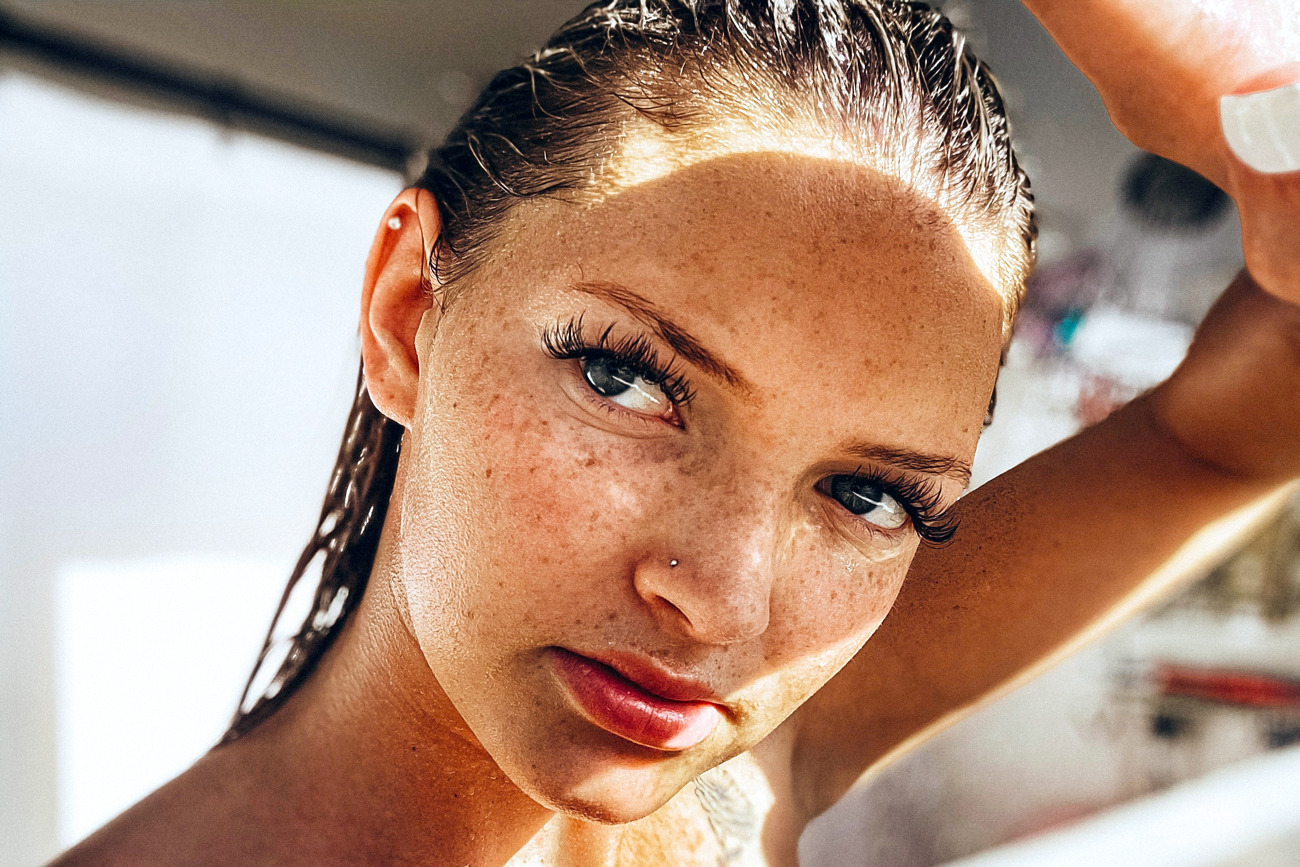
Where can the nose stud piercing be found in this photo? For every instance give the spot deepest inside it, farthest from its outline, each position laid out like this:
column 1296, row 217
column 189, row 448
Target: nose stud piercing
column 672, row 564
column 394, row 223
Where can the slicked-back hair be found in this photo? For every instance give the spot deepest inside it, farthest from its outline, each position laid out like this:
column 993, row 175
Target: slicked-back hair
column 889, row 82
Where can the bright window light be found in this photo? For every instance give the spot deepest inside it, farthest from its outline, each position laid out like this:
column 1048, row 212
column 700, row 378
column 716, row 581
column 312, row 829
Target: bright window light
column 151, row 656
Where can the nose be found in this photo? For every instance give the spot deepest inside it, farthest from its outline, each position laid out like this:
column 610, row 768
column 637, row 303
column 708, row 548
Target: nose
column 712, row 578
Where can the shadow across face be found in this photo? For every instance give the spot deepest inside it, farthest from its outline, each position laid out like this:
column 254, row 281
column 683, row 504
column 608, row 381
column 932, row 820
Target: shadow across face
column 670, row 456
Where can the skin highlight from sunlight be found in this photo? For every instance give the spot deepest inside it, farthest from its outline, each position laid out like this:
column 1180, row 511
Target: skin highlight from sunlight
column 646, row 153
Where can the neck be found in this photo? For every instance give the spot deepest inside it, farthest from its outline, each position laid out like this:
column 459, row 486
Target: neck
column 369, row 762
column 354, row 769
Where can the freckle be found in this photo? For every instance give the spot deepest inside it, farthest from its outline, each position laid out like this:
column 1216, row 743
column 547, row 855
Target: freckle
column 589, row 462
column 488, row 474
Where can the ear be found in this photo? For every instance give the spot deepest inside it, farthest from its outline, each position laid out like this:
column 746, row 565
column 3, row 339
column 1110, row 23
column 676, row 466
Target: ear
column 396, row 296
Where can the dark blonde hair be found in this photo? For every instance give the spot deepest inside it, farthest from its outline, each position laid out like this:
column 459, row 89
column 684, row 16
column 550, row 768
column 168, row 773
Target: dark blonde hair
column 888, row 80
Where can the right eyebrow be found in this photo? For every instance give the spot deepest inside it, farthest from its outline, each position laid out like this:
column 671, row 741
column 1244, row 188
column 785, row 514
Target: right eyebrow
column 689, row 347
column 683, row 343
column 934, row 465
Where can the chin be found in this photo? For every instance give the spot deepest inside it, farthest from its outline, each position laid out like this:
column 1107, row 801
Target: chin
column 566, row 763
column 612, row 799
column 604, row 812
column 603, row 779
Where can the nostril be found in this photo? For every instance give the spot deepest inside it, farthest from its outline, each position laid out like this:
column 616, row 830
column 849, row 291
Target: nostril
column 672, row 610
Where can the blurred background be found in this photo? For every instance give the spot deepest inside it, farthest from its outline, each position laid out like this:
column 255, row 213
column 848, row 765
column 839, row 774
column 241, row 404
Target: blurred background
column 187, row 193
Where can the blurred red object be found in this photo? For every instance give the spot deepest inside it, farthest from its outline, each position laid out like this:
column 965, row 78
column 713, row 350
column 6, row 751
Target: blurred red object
column 1244, row 688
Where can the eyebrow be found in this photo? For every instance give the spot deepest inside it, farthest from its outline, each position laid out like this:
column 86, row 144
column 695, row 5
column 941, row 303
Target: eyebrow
column 690, row 348
column 936, row 465
column 681, row 340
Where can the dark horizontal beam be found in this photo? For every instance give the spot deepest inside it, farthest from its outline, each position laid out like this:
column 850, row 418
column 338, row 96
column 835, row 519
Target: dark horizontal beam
column 224, row 101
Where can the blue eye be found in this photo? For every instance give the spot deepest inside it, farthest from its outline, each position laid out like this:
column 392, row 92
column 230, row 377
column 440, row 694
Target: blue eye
column 868, row 500
column 606, row 376
column 624, row 385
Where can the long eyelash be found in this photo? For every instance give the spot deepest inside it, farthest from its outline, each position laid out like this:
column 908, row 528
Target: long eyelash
column 569, row 340
column 922, row 500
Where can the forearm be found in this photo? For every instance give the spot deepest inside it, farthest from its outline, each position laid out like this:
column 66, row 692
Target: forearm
column 1234, row 402
column 1052, row 547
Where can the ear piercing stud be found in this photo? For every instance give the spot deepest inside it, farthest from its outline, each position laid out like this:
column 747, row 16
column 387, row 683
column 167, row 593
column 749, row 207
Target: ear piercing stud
column 394, row 223
column 672, row 564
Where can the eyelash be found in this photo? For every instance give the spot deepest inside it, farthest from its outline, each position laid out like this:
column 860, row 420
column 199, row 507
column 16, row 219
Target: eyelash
column 565, row 340
column 921, row 499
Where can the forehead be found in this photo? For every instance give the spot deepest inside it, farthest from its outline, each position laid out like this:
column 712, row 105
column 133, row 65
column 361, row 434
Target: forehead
column 802, row 272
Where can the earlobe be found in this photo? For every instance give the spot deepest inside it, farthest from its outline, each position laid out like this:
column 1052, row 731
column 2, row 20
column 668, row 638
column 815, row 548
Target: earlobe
column 395, row 297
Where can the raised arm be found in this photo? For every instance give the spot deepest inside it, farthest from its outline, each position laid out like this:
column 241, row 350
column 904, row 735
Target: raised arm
column 1048, row 550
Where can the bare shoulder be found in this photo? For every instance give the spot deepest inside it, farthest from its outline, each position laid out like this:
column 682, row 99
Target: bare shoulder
column 183, row 824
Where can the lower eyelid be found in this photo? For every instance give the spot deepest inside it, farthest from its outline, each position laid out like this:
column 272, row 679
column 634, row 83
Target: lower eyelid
column 859, row 531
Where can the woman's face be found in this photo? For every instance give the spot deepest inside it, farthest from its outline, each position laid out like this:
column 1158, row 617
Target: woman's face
column 668, row 461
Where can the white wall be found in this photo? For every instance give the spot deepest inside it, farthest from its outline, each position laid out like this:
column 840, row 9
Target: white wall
column 177, row 354
column 150, row 655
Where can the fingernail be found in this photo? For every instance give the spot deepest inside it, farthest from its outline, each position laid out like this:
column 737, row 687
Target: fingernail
column 1263, row 129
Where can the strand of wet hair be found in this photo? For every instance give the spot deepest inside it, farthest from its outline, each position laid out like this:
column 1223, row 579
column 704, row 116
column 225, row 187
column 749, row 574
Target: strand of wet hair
column 344, row 546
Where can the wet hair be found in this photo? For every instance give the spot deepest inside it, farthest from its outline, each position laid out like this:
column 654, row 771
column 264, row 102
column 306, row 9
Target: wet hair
column 630, row 86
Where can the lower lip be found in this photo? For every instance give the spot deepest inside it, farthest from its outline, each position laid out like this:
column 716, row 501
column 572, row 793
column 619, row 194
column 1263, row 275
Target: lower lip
column 620, row 707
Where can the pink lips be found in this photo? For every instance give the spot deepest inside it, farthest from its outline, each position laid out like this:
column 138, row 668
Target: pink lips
column 626, row 708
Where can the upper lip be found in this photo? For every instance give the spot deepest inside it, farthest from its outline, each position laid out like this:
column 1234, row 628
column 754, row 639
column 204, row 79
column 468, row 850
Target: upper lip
column 655, row 679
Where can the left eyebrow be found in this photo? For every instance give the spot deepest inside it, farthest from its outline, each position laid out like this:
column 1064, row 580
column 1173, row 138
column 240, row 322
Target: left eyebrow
column 683, row 343
column 934, row 465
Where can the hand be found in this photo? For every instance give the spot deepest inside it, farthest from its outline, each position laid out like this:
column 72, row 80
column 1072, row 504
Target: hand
column 1161, row 67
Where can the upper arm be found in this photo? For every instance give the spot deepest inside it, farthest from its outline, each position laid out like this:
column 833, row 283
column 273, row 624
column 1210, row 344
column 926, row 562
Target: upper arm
column 1043, row 552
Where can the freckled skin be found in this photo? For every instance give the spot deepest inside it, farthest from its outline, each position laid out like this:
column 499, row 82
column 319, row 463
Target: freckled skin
column 523, row 517
column 582, row 512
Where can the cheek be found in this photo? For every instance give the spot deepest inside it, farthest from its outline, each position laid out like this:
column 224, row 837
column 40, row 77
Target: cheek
column 823, row 613
column 833, row 588
column 542, row 508
column 564, row 497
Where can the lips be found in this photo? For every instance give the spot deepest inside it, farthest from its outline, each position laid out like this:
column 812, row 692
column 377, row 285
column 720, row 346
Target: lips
column 630, row 710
